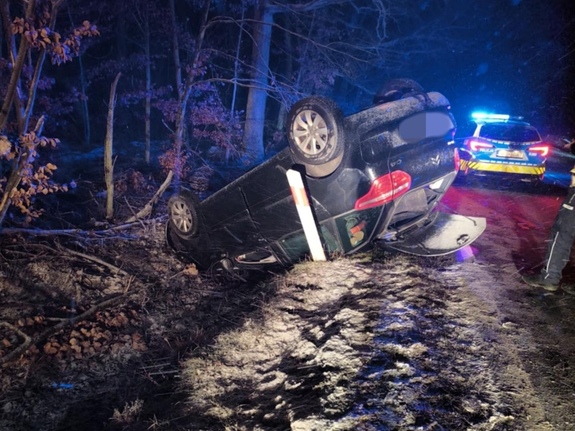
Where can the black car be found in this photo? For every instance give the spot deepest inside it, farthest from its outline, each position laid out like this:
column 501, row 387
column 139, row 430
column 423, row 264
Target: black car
column 373, row 176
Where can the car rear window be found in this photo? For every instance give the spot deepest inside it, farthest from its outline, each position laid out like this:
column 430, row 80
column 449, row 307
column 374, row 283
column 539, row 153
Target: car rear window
column 510, row 132
column 425, row 125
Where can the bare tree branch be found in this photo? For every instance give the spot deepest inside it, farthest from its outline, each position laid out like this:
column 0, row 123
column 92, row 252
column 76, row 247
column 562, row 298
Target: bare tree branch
column 147, row 210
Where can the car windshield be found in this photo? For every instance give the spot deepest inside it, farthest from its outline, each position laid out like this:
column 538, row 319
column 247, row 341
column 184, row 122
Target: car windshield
column 510, row 132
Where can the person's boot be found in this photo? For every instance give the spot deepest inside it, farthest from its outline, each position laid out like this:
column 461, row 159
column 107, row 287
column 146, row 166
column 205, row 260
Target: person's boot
column 536, row 280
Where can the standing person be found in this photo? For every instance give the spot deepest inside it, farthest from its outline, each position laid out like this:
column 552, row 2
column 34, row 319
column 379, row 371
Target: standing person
column 569, row 145
column 559, row 248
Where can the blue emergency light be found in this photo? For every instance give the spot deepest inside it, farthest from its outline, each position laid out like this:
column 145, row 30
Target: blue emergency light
column 484, row 116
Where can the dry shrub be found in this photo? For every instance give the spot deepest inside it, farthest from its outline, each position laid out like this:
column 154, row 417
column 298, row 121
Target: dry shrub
column 131, row 181
column 129, row 414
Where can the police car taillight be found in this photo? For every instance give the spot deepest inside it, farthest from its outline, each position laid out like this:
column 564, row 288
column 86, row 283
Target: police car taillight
column 478, row 145
column 541, row 149
column 456, row 159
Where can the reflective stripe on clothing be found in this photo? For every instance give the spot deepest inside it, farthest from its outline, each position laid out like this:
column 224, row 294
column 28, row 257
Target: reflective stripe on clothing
column 561, row 240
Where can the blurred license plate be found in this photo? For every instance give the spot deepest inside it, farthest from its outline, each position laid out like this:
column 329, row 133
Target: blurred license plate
column 511, row 154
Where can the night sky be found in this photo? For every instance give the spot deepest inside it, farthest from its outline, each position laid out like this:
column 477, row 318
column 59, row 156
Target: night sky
column 510, row 56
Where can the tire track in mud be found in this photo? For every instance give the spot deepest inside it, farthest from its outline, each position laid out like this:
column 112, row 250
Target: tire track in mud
column 479, row 304
column 536, row 333
column 296, row 361
column 390, row 344
column 437, row 363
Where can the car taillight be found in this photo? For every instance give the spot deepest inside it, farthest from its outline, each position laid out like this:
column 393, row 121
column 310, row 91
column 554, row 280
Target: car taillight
column 541, row 149
column 384, row 189
column 456, row 158
column 477, row 145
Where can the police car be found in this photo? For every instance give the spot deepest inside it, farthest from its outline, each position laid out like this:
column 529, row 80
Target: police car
column 503, row 145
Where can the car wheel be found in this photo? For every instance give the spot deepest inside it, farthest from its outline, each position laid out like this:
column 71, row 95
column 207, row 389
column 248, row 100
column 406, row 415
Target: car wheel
column 183, row 214
column 396, row 89
column 316, row 135
column 169, row 237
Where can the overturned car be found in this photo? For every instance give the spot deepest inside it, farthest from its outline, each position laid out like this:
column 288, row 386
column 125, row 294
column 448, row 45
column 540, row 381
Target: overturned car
column 375, row 176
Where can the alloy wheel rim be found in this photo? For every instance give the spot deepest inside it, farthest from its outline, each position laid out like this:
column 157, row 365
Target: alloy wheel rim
column 182, row 216
column 310, row 132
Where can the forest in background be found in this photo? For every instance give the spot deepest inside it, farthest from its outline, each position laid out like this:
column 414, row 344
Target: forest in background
column 210, row 81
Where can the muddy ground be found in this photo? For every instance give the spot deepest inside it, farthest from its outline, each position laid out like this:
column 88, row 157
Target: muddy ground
column 115, row 332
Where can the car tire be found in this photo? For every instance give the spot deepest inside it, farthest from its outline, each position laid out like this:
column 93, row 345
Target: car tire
column 183, row 215
column 173, row 240
column 316, row 136
column 397, row 89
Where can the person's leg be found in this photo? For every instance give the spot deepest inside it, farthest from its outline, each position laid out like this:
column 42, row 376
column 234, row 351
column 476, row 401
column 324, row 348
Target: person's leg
column 559, row 247
column 557, row 255
column 561, row 241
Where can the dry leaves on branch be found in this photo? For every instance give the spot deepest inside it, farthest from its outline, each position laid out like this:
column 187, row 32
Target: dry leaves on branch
column 191, row 270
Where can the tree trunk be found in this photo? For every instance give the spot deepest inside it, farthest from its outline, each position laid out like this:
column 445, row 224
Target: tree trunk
column 282, row 114
column 256, row 105
column 108, row 164
column 18, row 165
column 84, row 101
column 14, row 96
column 180, row 130
column 148, row 101
column 2, row 38
column 13, row 86
column 183, row 95
column 185, row 90
column 237, row 63
column 176, row 48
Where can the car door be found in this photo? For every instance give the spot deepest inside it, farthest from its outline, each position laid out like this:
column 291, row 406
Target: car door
column 268, row 198
column 229, row 225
